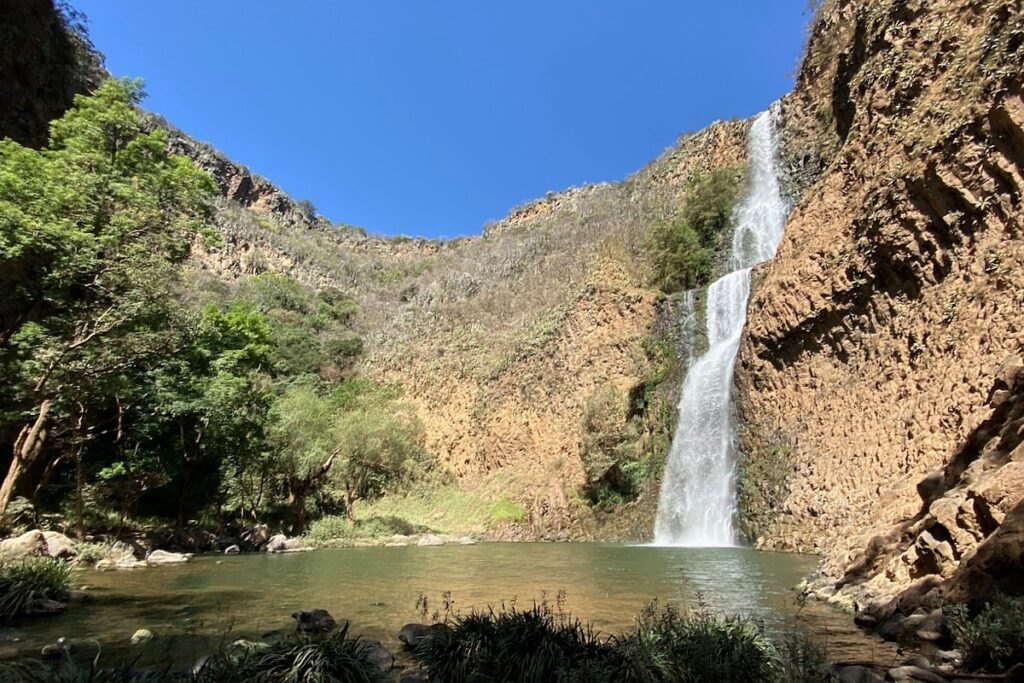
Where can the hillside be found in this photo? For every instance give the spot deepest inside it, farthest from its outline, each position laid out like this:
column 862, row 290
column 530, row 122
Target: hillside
column 498, row 340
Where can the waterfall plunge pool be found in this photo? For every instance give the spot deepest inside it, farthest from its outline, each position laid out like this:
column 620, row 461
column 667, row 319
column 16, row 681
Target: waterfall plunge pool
column 195, row 606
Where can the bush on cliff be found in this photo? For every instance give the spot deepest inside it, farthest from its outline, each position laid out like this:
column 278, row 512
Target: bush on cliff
column 683, row 245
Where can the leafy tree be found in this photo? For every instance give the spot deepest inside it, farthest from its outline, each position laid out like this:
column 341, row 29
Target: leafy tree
column 91, row 229
column 361, row 449
column 683, row 244
column 216, row 398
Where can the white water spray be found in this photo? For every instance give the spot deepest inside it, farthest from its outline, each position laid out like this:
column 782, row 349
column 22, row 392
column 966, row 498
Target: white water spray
column 698, row 491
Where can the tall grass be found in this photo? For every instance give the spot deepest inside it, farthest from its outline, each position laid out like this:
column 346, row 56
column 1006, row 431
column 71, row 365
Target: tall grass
column 335, row 658
column 545, row 644
column 25, row 581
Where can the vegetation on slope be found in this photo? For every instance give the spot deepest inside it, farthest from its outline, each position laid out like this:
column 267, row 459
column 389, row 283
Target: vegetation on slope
column 683, row 244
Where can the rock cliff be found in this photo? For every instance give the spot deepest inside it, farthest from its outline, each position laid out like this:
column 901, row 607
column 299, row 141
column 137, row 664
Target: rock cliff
column 877, row 376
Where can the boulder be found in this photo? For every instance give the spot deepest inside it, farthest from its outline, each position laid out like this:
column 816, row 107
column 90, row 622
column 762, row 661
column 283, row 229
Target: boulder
column 412, row 634
column 257, row 536
column 54, row 650
column 314, row 621
column 29, row 543
column 858, row 674
column 143, row 635
column 46, row 607
column 59, row 545
column 280, row 543
column 232, row 550
column 158, row 557
column 430, row 539
column 380, row 656
column 914, row 674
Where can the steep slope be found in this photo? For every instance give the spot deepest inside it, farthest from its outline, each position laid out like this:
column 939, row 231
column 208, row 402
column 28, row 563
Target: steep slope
column 498, row 340
column 882, row 419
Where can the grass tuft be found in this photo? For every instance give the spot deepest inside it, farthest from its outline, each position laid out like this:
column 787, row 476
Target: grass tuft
column 25, row 581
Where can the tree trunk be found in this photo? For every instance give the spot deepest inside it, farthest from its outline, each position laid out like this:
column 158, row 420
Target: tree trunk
column 299, row 499
column 350, row 503
column 26, row 450
column 79, row 496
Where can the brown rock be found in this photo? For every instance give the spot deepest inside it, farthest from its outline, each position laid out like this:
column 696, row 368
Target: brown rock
column 29, row 543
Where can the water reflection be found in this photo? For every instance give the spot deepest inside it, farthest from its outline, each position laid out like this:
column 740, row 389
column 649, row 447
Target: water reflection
column 377, row 589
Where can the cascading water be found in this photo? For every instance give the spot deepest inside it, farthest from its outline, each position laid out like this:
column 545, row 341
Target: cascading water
column 698, row 498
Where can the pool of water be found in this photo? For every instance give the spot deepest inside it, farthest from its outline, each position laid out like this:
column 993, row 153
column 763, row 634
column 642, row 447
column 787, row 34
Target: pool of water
column 377, row 589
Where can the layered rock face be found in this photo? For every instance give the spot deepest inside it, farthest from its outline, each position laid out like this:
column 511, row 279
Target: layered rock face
column 878, row 385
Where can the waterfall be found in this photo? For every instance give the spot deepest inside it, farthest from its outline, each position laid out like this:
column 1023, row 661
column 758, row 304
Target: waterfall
column 698, row 497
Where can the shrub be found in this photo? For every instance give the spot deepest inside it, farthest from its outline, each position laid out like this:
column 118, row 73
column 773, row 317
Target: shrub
column 994, row 637
column 25, row 581
column 541, row 644
column 332, row 658
column 803, row 660
column 673, row 645
column 504, row 510
column 683, row 245
column 509, row 644
column 609, row 449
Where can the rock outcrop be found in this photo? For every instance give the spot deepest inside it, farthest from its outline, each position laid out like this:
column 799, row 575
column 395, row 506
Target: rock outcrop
column 881, row 412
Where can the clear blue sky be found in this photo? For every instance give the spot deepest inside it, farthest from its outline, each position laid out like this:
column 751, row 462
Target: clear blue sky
column 431, row 117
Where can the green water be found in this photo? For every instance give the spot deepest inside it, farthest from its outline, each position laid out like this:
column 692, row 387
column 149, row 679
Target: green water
column 377, row 590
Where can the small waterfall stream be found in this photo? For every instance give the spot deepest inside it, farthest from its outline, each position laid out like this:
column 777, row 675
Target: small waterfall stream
column 698, row 497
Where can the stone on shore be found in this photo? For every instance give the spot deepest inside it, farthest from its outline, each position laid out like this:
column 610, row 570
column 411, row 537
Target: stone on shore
column 59, row 545
column 29, row 543
column 314, row 621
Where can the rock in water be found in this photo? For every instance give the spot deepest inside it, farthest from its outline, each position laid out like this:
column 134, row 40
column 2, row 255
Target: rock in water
column 314, row 621
column 280, row 543
column 232, row 550
column 430, row 539
column 143, row 635
column 158, row 557
column 412, row 634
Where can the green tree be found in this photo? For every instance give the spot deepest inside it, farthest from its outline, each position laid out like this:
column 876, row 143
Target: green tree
column 361, row 446
column 683, row 244
column 91, row 230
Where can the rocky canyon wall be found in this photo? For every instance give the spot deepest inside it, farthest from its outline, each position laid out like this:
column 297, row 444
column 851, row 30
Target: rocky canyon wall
column 879, row 373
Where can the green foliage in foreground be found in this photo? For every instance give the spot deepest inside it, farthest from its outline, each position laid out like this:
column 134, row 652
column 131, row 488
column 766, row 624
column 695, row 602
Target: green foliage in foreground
column 992, row 639
column 682, row 245
column 542, row 644
column 334, row 658
column 26, row 580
